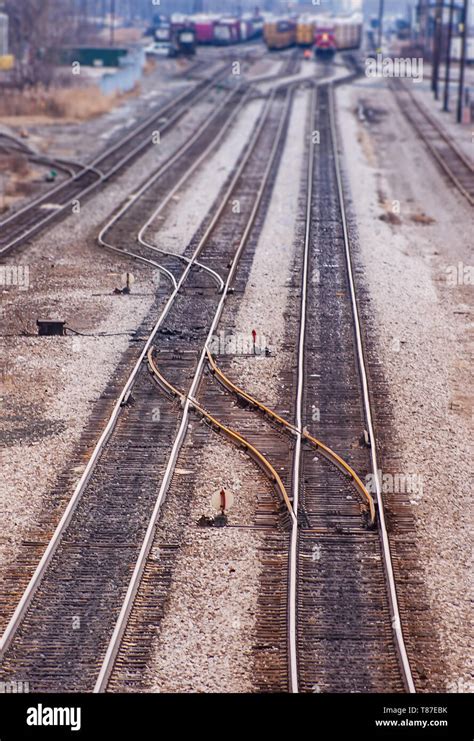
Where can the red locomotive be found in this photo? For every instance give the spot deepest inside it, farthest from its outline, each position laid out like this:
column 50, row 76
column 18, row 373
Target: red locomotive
column 325, row 40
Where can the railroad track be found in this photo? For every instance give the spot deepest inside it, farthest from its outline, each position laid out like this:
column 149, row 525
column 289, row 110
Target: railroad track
column 341, row 621
column 452, row 160
column 92, row 566
column 137, row 214
column 28, row 221
column 11, row 145
column 342, row 624
column 292, row 64
column 348, row 634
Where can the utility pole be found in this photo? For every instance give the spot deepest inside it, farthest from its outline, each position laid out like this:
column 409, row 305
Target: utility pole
column 448, row 57
column 421, row 21
column 112, row 22
column 438, row 31
column 463, row 30
column 381, row 13
column 426, row 26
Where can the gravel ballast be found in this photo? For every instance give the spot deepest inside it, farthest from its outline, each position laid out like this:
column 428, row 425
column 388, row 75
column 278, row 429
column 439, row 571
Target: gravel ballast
column 411, row 225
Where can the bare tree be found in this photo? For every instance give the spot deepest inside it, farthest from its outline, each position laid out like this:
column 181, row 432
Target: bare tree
column 37, row 29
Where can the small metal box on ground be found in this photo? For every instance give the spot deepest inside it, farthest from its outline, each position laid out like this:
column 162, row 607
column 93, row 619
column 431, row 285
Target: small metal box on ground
column 50, row 327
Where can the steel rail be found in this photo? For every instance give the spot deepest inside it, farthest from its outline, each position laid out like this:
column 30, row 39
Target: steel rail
column 102, row 178
column 63, row 163
column 154, row 117
column 326, row 451
column 293, row 555
column 92, row 167
column 233, row 435
column 387, row 556
column 115, row 641
column 27, row 596
column 440, row 129
column 214, row 220
column 163, row 203
column 147, row 261
column 438, row 157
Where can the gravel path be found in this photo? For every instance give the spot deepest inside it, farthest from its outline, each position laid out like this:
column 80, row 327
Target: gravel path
column 412, row 237
column 206, row 636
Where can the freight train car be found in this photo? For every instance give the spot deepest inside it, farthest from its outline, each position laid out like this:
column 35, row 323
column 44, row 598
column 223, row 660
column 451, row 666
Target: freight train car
column 186, row 40
column 248, row 28
column 183, row 33
column 204, row 28
column 280, row 33
column 305, row 30
column 245, row 29
column 348, row 33
column 227, row 31
column 178, row 21
column 235, row 30
column 257, row 22
column 164, row 44
column 337, row 34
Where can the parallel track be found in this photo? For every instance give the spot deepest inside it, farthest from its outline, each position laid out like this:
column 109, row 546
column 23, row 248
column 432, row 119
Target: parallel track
column 349, row 635
column 95, row 545
column 452, row 160
column 341, row 592
column 28, row 221
column 344, row 628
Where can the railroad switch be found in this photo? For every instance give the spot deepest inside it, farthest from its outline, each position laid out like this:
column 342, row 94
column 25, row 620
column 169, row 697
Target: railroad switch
column 371, row 525
column 51, row 327
column 128, row 400
column 220, row 520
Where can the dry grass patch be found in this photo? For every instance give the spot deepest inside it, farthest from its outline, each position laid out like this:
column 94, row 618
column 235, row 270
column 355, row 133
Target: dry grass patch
column 76, row 103
column 422, row 218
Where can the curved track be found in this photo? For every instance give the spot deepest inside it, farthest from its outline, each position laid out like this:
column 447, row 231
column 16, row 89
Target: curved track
column 28, row 221
column 342, row 600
